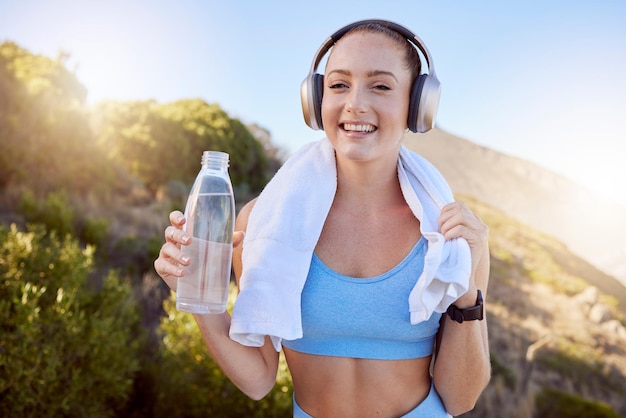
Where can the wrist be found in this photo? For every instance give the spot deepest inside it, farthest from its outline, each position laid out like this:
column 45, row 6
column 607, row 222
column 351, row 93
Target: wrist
column 468, row 299
column 461, row 314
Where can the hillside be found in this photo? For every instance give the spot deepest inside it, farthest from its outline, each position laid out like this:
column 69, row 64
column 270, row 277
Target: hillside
column 549, row 326
column 556, row 318
column 587, row 223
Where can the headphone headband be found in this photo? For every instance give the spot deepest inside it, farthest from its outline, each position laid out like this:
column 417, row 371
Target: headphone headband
column 425, row 92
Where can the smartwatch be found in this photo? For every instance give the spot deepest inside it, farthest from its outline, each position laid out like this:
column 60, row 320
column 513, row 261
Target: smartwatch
column 468, row 314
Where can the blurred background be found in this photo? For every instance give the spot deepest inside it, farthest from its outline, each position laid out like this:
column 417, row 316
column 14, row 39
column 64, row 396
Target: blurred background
column 105, row 108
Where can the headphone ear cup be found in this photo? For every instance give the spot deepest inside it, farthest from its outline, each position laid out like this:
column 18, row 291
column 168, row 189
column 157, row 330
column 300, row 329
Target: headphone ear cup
column 311, row 91
column 318, row 92
column 429, row 103
column 423, row 103
column 414, row 102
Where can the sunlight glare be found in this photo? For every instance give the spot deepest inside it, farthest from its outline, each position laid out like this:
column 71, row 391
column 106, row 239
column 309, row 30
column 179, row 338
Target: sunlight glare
column 106, row 70
column 588, row 141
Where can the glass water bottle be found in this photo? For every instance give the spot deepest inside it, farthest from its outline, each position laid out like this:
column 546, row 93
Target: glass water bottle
column 210, row 221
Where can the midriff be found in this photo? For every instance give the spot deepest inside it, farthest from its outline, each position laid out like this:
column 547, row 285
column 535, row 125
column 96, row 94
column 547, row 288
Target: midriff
column 327, row 386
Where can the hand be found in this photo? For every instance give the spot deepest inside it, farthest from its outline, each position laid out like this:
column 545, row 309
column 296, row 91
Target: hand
column 169, row 265
column 458, row 221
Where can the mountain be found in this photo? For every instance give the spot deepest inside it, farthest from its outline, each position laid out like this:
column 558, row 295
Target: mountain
column 590, row 225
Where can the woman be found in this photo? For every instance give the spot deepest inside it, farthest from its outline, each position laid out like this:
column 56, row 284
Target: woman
column 370, row 236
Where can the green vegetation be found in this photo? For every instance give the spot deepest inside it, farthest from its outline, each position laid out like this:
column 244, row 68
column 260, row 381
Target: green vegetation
column 52, row 141
column 159, row 143
column 582, row 365
column 84, row 195
column 62, row 340
column 554, row 403
column 190, row 377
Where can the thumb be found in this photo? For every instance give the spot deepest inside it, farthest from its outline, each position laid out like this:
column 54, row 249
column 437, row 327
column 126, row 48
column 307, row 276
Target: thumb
column 238, row 238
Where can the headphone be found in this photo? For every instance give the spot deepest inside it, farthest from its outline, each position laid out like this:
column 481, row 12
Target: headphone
column 424, row 95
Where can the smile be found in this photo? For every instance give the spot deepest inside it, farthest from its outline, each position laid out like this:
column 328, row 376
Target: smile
column 359, row 127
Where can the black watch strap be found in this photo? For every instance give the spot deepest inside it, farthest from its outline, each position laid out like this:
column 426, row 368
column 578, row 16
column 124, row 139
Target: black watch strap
column 468, row 314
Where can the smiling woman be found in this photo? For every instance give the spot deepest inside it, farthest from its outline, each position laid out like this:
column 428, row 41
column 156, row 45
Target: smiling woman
column 373, row 225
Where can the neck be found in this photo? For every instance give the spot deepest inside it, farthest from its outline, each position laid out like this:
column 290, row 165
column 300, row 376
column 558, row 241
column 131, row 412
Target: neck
column 367, row 187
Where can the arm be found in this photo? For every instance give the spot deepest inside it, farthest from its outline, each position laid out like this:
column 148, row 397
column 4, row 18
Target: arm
column 462, row 366
column 251, row 369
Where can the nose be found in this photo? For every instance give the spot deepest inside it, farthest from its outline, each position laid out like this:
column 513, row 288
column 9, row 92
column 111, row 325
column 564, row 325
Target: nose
column 356, row 102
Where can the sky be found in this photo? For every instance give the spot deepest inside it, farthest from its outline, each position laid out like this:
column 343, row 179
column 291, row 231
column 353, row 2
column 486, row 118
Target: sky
column 536, row 79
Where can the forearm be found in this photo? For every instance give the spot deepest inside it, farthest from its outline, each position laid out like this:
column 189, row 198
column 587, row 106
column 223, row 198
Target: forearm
column 251, row 369
column 462, row 367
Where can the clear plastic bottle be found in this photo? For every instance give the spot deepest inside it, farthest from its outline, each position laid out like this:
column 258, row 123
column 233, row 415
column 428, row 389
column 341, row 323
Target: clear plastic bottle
column 210, row 215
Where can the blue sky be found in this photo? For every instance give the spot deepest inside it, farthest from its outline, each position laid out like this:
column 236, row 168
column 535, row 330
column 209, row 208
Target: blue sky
column 541, row 80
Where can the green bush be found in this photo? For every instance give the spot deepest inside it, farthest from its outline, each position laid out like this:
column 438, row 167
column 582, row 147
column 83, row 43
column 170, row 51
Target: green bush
column 95, row 231
column 191, row 384
column 551, row 403
column 66, row 348
column 55, row 212
column 133, row 256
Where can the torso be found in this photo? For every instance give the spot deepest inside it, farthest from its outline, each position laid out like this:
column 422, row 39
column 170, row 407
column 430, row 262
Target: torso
column 346, row 387
column 362, row 245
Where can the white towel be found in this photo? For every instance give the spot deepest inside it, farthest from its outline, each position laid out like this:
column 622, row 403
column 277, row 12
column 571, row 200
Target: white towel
column 286, row 223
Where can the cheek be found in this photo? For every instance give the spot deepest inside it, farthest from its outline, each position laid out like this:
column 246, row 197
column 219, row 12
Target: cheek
column 395, row 114
column 329, row 109
column 402, row 113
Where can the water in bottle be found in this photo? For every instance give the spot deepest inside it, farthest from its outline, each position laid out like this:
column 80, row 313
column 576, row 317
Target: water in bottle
column 210, row 215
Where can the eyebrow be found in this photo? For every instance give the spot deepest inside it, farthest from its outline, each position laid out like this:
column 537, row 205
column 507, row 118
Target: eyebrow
column 372, row 73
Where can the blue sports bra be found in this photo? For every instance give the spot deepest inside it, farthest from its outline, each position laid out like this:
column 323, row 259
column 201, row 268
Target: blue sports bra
column 364, row 318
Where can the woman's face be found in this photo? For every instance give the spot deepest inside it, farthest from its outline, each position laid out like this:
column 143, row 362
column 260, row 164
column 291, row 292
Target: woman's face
column 366, row 97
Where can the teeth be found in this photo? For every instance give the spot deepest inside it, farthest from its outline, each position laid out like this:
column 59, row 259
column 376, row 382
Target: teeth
column 358, row 128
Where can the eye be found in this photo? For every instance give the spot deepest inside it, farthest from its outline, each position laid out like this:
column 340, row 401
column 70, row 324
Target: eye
column 337, row 86
column 382, row 87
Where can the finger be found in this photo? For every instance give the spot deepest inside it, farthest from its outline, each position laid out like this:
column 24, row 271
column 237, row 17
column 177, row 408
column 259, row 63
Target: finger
column 177, row 218
column 165, row 268
column 454, row 206
column 172, row 253
column 170, row 234
column 176, row 235
column 450, row 219
column 448, row 212
column 171, row 261
column 458, row 214
column 455, row 231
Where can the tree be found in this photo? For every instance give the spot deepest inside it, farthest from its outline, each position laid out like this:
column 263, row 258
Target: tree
column 46, row 141
column 160, row 143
